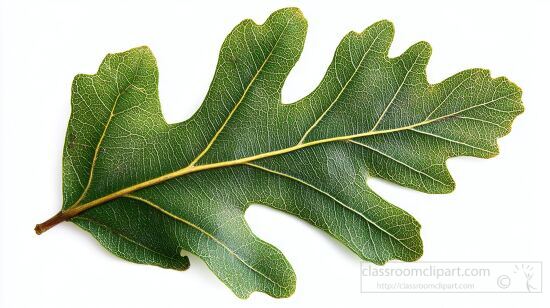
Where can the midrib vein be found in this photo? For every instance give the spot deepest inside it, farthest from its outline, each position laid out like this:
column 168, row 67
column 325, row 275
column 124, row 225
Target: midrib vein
column 201, row 230
column 73, row 211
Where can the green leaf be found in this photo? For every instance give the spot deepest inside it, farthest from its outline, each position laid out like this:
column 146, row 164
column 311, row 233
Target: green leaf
column 148, row 190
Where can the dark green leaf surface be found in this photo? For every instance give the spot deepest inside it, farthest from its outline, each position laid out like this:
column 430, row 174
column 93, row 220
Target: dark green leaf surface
column 147, row 189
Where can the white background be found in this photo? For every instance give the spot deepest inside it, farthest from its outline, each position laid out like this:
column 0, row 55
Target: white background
column 498, row 212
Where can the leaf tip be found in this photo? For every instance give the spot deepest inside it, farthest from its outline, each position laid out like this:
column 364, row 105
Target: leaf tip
column 514, row 88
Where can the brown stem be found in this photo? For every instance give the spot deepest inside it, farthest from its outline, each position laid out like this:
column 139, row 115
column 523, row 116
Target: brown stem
column 45, row 226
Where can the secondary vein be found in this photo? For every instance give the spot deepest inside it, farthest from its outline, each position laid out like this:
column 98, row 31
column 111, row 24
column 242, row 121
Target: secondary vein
column 103, row 133
column 218, row 132
column 192, row 225
column 368, row 220
column 344, row 87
